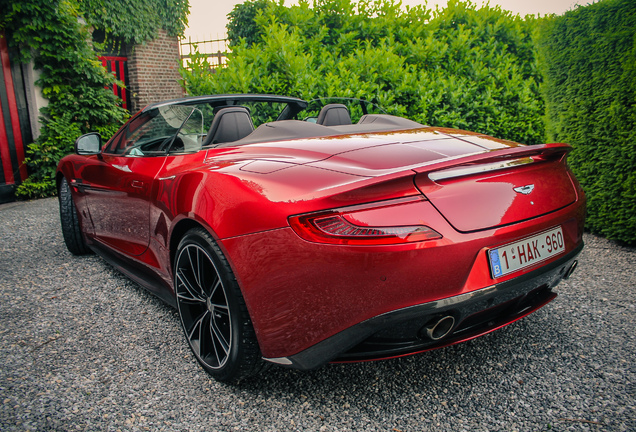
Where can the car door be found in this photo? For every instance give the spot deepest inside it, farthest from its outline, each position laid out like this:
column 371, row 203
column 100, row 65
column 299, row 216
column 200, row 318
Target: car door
column 119, row 186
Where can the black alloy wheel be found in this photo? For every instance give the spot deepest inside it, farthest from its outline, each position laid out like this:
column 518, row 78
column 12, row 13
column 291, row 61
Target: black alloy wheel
column 213, row 314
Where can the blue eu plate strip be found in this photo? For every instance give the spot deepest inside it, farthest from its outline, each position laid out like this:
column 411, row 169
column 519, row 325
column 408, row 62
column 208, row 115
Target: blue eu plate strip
column 494, row 262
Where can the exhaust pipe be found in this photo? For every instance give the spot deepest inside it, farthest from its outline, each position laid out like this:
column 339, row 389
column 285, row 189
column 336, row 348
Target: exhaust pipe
column 439, row 328
column 569, row 271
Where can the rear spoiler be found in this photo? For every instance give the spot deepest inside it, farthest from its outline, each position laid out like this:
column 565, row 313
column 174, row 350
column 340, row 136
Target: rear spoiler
column 494, row 160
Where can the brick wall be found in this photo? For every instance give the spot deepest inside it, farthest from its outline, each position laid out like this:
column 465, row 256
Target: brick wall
column 153, row 71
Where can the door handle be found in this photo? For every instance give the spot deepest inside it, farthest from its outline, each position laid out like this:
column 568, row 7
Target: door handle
column 137, row 184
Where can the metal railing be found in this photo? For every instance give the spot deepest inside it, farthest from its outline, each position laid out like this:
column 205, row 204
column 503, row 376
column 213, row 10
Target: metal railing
column 214, row 50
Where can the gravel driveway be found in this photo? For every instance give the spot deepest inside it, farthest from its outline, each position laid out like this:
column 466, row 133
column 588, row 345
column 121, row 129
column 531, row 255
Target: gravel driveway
column 83, row 348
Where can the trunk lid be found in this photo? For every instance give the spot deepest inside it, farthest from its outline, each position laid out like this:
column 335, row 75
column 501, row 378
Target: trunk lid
column 500, row 188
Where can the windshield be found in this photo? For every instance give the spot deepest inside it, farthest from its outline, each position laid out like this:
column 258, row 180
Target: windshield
column 153, row 131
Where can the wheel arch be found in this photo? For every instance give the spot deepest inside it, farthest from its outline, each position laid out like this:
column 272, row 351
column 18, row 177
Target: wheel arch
column 179, row 230
column 184, row 225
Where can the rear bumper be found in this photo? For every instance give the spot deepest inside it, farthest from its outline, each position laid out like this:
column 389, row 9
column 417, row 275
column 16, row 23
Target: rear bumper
column 400, row 332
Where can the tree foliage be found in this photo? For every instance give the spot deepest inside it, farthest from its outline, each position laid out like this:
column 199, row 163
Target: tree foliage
column 460, row 66
column 242, row 24
column 589, row 63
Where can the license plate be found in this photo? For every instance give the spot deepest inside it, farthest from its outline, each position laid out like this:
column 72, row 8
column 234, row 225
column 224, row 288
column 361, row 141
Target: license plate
column 524, row 253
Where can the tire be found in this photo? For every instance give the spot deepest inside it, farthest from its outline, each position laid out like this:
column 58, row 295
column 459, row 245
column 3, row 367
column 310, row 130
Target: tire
column 71, row 231
column 213, row 313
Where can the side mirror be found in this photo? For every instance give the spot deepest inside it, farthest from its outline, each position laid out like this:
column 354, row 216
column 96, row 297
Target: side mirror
column 89, row 144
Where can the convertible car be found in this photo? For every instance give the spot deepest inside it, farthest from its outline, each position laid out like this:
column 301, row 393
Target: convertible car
column 295, row 234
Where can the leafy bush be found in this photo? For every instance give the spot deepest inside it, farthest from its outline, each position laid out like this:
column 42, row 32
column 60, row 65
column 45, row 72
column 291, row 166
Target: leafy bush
column 460, row 67
column 588, row 58
column 56, row 141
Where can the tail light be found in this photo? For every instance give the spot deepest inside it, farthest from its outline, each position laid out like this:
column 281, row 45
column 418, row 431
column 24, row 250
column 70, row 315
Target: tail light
column 361, row 225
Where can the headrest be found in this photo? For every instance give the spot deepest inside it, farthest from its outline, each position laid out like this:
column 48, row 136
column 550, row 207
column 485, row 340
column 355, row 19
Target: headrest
column 229, row 124
column 334, row 115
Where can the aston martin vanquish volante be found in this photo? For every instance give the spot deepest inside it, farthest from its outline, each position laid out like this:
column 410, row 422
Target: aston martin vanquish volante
column 294, row 234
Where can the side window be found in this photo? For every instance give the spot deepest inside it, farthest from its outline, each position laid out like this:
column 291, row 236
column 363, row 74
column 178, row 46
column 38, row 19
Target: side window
column 152, row 133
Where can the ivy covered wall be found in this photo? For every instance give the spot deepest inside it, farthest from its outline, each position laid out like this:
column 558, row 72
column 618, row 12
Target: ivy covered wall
column 136, row 21
column 55, row 35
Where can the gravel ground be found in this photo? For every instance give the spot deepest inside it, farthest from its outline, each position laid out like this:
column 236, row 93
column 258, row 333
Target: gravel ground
column 84, row 348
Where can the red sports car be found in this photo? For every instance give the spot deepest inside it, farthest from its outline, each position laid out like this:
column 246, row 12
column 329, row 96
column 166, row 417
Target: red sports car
column 311, row 238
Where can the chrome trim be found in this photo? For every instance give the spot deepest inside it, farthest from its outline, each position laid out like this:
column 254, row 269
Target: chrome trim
column 476, row 169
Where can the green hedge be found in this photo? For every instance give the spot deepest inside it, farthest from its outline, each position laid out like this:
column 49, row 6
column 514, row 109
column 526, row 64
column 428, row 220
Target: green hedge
column 588, row 59
column 460, row 66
